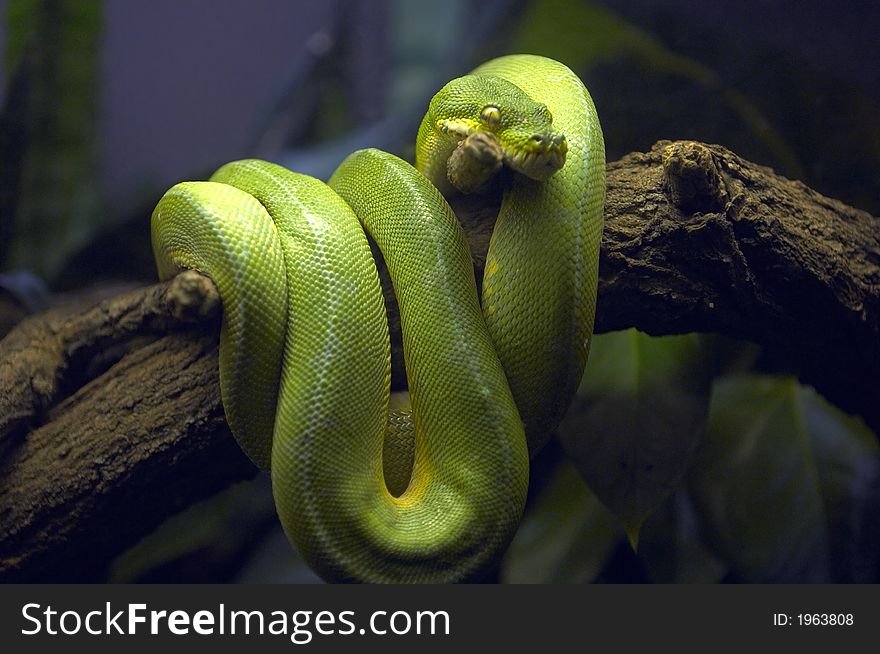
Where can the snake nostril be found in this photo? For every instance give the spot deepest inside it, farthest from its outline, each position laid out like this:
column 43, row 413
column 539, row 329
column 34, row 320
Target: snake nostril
column 537, row 138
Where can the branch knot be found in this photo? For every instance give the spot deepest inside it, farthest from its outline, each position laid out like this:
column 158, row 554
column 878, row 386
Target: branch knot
column 692, row 178
column 192, row 297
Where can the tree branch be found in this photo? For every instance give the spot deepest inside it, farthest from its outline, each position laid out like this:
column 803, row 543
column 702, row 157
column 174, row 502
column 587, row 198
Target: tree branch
column 110, row 417
column 698, row 239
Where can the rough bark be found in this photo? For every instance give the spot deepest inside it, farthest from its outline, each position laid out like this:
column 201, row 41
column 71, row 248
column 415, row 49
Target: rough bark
column 110, row 421
column 699, row 239
column 110, row 416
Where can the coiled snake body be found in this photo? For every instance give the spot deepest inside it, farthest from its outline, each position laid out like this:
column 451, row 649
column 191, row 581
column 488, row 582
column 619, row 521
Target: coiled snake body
column 304, row 355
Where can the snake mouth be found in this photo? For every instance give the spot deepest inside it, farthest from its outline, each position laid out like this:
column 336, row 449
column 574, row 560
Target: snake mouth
column 539, row 158
column 539, row 165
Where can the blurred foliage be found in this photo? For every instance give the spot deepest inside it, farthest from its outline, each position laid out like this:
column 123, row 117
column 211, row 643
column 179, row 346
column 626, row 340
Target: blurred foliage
column 207, row 541
column 54, row 45
column 672, row 549
column 565, row 536
column 783, row 486
column 787, row 485
column 421, row 44
column 233, row 536
column 585, row 36
column 638, row 415
column 653, row 75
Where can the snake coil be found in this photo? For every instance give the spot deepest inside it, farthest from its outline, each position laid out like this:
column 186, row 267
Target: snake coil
column 305, row 355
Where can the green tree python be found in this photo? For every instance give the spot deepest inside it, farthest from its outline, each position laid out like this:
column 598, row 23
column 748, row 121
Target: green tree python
column 305, row 354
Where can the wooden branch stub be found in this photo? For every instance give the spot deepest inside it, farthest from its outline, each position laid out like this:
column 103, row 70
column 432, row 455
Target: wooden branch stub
column 692, row 178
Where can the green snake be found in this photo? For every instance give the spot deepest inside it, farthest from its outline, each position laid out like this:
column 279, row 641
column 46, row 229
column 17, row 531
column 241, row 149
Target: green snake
column 304, row 350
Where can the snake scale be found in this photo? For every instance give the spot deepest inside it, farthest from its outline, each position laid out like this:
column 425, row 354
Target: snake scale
column 305, row 355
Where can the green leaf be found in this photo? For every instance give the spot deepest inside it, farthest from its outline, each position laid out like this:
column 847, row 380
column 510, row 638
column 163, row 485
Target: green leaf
column 638, row 415
column 781, row 483
column 565, row 536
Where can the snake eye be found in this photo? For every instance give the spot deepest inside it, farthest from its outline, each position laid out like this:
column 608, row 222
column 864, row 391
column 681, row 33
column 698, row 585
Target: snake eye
column 491, row 115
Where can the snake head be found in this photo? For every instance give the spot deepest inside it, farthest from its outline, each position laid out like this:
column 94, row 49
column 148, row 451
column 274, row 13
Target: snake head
column 523, row 127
